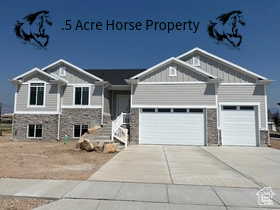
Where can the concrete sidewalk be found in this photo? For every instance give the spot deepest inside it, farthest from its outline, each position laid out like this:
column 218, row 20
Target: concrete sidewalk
column 72, row 195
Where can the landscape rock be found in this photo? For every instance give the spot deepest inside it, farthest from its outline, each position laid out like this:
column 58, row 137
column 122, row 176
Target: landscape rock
column 110, row 148
column 98, row 146
column 86, row 145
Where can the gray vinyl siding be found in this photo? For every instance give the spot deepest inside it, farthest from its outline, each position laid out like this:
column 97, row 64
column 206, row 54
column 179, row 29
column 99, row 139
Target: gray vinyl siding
column 72, row 75
column 252, row 93
column 50, row 99
column 174, row 94
column 162, row 75
column 36, row 77
column 220, row 70
column 95, row 95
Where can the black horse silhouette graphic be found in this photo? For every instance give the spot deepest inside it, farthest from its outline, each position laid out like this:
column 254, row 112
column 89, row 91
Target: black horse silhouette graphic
column 32, row 30
column 226, row 29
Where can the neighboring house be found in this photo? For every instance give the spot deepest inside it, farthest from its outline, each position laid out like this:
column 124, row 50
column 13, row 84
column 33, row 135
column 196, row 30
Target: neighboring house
column 194, row 99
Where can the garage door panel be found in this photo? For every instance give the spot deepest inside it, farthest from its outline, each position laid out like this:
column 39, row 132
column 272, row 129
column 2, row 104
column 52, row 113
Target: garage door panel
column 238, row 127
column 172, row 128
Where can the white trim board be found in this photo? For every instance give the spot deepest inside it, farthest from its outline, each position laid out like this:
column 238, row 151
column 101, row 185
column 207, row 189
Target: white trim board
column 80, row 107
column 32, row 71
column 171, row 106
column 34, row 112
column 73, row 66
column 170, row 83
column 221, row 60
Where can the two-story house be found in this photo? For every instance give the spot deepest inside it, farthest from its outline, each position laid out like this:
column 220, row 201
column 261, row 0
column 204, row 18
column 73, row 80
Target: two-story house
column 196, row 98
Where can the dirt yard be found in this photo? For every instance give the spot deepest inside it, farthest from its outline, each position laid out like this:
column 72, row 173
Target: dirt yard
column 275, row 143
column 47, row 160
column 21, row 204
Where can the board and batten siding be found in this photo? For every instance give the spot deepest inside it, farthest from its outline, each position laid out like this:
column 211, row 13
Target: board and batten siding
column 174, row 95
column 95, row 95
column 244, row 94
column 72, row 76
column 50, row 99
column 226, row 73
column 162, row 75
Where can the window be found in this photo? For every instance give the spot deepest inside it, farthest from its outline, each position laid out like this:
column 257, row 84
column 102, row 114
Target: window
column 35, row 130
column 246, row 107
column 62, row 71
column 79, row 130
column 81, row 95
column 172, row 71
column 164, row 110
column 36, row 94
column 196, row 61
column 148, row 110
column 196, row 110
column 229, row 107
column 179, row 110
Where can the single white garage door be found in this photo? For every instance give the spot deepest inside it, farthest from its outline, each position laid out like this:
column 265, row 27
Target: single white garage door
column 171, row 126
column 238, row 125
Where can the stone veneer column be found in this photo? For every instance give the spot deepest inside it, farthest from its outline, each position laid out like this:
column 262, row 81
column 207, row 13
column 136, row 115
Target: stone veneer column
column 49, row 125
column 263, row 138
column 212, row 131
column 134, row 126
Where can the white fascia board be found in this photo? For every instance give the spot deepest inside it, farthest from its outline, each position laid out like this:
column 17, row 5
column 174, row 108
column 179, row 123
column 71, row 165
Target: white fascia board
column 223, row 61
column 172, row 59
column 153, row 67
column 73, row 66
column 32, row 71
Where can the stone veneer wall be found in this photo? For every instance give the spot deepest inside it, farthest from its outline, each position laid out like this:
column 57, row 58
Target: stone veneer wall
column 263, row 138
column 69, row 117
column 212, row 131
column 134, row 126
column 21, row 121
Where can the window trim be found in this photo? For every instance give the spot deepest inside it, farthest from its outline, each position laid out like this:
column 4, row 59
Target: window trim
column 172, row 71
column 29, row 92
column 62, row 71
column 74, row 94
column 81, row 125
column 196, row 58
column 35, row 128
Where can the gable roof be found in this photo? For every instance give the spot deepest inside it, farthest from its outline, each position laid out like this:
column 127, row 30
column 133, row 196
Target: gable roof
column 170, row 60
column 35, row 70
column 115, row 76
column 73, row 66
column 226, row 62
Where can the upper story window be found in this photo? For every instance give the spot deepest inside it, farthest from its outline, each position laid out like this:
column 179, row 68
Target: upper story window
column 36, row 94
column 62, row 71
column 172, row 71
column 196, row 61
column 81, row 95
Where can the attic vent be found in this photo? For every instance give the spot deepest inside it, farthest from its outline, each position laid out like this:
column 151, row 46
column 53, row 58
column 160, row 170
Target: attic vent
column 62, row 71
column 172, row 71
column 196, row 61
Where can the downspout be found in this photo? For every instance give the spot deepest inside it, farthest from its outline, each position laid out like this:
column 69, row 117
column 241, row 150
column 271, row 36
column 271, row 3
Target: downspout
column 59, row 112
column 102, row 104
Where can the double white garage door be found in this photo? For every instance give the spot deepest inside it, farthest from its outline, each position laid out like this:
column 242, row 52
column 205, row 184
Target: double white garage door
column 172, row 126
column 187, row 126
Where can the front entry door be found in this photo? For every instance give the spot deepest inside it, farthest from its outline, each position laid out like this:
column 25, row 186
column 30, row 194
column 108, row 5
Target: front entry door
column 122, row 104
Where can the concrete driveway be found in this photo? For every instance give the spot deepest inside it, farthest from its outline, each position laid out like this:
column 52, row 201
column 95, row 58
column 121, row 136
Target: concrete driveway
column 212, row 166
